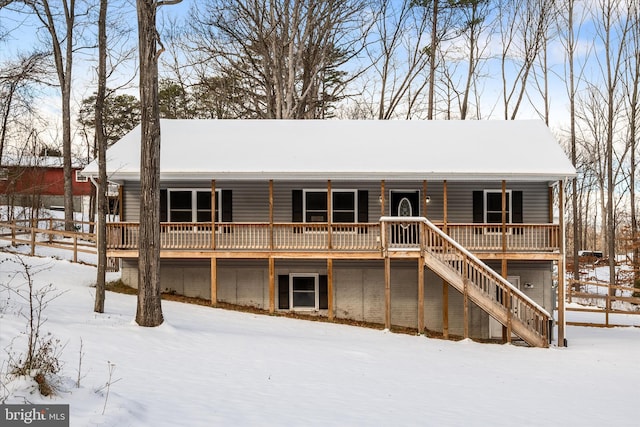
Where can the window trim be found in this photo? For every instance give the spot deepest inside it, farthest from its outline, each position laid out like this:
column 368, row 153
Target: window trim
column 316, row 291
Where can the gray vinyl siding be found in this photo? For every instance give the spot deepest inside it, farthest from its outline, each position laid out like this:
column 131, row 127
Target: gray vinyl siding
column 251, row 198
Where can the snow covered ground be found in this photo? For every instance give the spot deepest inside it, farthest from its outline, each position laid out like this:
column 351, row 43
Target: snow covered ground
column 206, row 367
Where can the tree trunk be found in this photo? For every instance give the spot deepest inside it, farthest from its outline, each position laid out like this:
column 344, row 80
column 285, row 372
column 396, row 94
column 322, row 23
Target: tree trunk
column 101, row 139
column 149, row 311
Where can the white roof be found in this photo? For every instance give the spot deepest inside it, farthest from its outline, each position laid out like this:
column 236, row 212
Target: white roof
column 346, row 149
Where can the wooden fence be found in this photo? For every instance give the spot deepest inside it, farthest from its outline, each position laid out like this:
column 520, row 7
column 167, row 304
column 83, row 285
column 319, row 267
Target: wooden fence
column 49, row 232
column 602, row 300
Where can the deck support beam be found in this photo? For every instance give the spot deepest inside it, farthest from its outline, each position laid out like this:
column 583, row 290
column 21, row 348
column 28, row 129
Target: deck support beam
column 445, row 309
column 272, row 285
column 387, row 292
column 421, row 294
column 214, row 281
column 330, row 309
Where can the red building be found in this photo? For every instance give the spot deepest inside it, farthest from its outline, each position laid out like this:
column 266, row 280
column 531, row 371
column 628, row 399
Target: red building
column 39, row 182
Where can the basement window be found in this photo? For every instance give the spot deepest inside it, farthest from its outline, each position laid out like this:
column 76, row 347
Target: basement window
column 303, row 291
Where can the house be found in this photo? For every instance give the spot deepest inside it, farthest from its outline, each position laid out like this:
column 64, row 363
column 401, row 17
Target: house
column 39, row 182
column 443, row 226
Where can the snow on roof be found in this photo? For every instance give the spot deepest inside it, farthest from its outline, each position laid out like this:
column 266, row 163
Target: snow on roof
column 37, row 161
column 346, row 149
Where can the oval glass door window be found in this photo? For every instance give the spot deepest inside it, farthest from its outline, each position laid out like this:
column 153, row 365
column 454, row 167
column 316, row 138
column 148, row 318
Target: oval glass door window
column 404, row 207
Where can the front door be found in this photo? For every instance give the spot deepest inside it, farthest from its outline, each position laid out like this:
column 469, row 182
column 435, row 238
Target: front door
column 405, row 203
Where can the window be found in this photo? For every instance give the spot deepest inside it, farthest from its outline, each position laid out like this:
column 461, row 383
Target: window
column 303, row 291
column 343, row 205
column 194, row 205
column 315, row 206
column 4, row 174
column 189, row 205
column 493, row 206
column 80, row 177
column 487, row 209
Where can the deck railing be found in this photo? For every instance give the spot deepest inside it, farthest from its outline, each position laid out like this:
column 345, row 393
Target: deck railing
column 402, row 234
column 252, row 236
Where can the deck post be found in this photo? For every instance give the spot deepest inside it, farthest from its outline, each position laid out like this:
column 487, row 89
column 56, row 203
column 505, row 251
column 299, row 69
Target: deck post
column 561, row 266
column 387, row 292
column 329, row 215
column 506, row 329
column 424, row 198
column 270, row 214
column 444, row 207
column 504, row 216
column 213, row 214
column 120, row 204
column 382, row 198
column 421, row 294
column 272, row 285
column 214, row 281
column 465, row 280
column 445, row 309
column 330, row 289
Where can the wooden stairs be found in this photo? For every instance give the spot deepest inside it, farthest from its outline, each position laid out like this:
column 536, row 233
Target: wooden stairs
column 481, row 284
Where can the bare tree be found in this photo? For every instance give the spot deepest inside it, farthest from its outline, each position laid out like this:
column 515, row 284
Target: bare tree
column 15, row 79
column 569, row 31
column 614, row 17
column 285, row 54
column 63, row 48
column 462, row 60
column 632, row 89
column 398, row 57
column 524, row 31
column 149, row 311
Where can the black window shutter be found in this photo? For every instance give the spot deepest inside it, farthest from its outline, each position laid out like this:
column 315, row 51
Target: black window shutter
column 296, row 206
column 163, row 206
column 227, row 206
column 363, row 206
column 516, row 206
column 283, row 291
column 323, row 292
column 478, row 206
